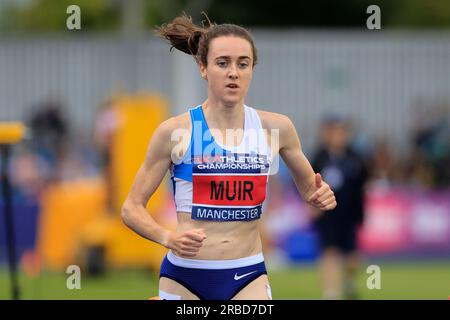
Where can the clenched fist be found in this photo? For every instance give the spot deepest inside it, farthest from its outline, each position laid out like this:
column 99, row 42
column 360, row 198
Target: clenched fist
column 323, row 197
column 186, row 244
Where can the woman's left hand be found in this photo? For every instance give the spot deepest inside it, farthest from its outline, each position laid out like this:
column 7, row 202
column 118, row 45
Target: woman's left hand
column 323, row 197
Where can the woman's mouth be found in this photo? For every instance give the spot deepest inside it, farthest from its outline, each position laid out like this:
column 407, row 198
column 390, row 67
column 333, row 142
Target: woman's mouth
column 232, row 86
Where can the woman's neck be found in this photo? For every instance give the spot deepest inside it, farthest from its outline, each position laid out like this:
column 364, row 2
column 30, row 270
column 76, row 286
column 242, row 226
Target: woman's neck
column 220, row 116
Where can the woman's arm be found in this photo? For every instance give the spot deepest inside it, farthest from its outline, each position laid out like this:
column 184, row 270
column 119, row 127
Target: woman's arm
column 310, row 185
column 147, row 180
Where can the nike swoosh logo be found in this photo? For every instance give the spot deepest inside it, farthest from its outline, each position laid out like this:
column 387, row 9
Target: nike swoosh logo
column 236, row 277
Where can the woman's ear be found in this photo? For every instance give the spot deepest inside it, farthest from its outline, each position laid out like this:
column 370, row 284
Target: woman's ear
column 203, row 71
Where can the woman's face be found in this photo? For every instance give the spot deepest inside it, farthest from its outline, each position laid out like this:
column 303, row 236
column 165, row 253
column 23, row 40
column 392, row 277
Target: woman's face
column 230, row 68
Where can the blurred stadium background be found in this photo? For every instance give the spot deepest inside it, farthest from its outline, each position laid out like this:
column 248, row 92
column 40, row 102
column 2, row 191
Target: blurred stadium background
column 91, row 99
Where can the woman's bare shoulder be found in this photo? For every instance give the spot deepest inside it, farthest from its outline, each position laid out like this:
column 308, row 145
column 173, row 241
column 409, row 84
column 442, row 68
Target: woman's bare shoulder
column 181, row 121
column 174, row 133
column 273, row 120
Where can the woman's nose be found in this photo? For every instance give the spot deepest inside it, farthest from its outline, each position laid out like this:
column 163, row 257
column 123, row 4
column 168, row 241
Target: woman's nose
column 232, row 74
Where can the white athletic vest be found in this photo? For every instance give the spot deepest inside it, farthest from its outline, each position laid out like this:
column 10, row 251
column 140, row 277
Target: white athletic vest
column 222, row 183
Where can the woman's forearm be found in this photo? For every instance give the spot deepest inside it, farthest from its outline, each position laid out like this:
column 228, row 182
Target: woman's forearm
column 137, row 218
column 307, row 187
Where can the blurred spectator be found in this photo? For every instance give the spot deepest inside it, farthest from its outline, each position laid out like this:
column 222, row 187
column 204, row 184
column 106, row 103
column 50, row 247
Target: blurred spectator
column 53, row 148
column 345, row 171
column 50, row 134
column 106, row 124
column 28, row 172
column 431, row 148
column 50, row 129
column 382, row 164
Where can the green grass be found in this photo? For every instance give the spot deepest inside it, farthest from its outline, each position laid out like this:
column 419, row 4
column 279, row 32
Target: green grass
column 131, row 284
column 398, row 281
column 425, row 280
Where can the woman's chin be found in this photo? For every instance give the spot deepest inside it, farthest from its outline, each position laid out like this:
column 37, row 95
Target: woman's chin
column 231, row 101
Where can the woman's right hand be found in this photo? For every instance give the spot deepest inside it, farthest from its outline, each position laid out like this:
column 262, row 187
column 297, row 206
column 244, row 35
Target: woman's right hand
column 186, row 244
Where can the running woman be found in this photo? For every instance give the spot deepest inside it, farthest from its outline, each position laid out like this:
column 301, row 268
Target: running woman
column 219, row 154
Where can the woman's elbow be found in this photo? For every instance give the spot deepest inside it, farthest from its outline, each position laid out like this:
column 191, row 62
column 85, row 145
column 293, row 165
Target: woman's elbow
column 126, row 214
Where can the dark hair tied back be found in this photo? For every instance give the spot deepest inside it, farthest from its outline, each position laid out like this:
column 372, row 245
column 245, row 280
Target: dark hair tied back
column 192, row 39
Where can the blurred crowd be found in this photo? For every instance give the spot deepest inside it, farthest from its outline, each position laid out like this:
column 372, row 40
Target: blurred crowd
column 54, row 151
column 425, row 164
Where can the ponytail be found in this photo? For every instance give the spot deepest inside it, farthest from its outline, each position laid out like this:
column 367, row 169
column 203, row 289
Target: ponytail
column 183, row 34
column 194, row 40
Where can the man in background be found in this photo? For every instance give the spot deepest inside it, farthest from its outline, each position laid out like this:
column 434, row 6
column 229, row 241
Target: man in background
column 346, row 173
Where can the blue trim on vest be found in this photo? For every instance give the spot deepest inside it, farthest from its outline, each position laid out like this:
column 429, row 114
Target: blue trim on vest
column 197, row 145
column 183, row 171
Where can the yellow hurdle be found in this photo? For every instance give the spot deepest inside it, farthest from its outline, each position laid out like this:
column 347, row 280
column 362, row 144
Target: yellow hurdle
column 11, row 132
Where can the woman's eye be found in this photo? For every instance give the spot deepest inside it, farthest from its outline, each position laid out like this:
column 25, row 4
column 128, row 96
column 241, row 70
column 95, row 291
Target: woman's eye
column 243, row 65
column 221, row 64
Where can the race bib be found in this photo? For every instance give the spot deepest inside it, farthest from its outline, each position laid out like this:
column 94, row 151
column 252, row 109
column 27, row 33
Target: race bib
column 229, row 187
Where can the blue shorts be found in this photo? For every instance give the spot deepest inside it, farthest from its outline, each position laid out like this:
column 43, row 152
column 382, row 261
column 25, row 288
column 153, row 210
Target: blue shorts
column 213, row 279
